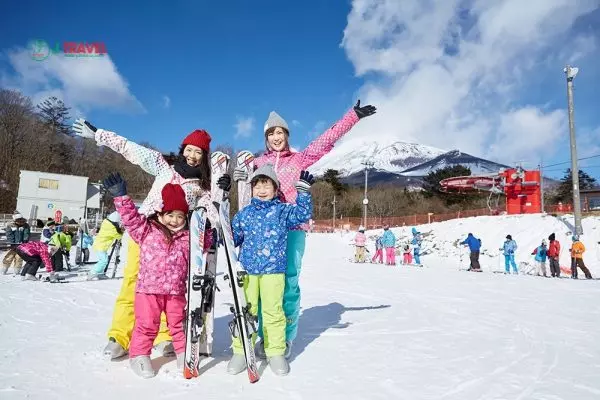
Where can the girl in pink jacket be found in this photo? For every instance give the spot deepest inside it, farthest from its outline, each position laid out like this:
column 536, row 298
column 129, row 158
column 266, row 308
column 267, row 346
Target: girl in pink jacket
column 161, row 286
column 360, row 241
column 288, row 165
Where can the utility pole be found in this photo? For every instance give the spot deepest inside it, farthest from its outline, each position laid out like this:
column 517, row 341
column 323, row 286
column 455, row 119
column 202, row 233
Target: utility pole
column 333, row 217
column 367, row 164
column 571, row 72
column 541, row 186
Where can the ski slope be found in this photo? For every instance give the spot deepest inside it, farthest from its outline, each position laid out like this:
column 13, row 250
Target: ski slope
column 366, row 331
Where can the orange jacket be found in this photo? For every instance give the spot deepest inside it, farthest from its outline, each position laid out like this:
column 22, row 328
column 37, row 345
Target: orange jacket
column 577, row 250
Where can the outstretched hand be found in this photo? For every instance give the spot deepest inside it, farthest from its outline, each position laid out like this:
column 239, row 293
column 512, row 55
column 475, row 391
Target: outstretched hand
column 306, row 181
column 83, row 128
column 115, row 184
column 364, row 111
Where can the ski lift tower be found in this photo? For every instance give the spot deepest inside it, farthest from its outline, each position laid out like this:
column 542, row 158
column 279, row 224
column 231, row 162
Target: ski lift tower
column 368, row 164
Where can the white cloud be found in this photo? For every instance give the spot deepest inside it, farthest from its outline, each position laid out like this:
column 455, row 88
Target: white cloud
column 83, row 83
column 449, row 73
column 244, row 126
column 317, row 129
column 166, row 102
column 297, row 123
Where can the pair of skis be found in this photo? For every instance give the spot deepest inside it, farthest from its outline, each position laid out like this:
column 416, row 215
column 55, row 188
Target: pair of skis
column 201, row 280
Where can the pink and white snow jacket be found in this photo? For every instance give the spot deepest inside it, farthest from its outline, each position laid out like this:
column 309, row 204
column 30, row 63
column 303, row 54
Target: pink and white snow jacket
column 163, row 265
column 153, row 163
column 360, row 239
column 39, row 249
column 288, row 164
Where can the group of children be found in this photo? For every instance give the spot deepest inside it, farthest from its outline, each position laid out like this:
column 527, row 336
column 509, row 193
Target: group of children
column 546, row 251
column 387, row 242
column 270, row 232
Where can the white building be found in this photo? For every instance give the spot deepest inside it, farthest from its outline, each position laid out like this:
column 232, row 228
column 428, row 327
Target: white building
column 42, row 195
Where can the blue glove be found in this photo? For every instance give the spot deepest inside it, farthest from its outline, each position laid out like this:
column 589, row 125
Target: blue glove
column 115, row 185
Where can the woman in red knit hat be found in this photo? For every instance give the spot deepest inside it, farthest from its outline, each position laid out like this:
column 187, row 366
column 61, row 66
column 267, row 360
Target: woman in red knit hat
column 190, row 170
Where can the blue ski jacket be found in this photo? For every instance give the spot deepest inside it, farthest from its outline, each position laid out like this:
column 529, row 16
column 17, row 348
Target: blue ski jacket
column 509, row 248
column 417, row 239
column 261, row 230
column 473, row 243
column 388, row 239
column 541, row 253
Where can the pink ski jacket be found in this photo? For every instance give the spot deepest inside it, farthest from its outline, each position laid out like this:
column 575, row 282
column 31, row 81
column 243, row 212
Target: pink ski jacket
column 360, row 239
column 163, row 265
column 37, row 249
column 153, row 163
column 288, row 164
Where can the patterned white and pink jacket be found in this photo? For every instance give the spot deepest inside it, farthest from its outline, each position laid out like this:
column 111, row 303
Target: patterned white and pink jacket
column 288, row 164
column 163, row 265
column 153, row 163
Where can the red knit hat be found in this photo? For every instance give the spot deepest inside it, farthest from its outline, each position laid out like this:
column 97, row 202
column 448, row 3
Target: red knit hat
column 173, row 198
column 199, row 138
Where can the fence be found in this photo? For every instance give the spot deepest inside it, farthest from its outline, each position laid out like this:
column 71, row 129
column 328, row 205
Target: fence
column 352, row 223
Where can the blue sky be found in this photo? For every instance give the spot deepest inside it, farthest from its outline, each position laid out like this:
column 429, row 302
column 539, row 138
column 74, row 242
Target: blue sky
column 223, row 66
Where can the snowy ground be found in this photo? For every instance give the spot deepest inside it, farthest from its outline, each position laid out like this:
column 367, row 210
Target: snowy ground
column 366, row 331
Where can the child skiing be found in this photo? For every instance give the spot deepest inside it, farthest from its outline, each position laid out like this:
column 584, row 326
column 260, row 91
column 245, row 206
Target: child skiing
column 110, row 230
column 540, row 253
column 389, row 243
column 86, row 242
column 407, row 255
column 577, row 249
column 36, row 254
column 553, row 256
column 360, row 240
column 191, row 170
column 261, row 229
column 416, row 244
column 16, row 233
column 288, row 165
column 378, row 257
column 508, row 249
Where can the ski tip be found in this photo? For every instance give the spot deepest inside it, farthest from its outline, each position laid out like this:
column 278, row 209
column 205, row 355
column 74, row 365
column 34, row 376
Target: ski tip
column 253, row 376
column 189, row 373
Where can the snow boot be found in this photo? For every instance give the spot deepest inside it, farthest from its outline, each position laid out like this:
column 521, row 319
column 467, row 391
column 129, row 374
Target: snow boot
column 29, row 277
column 96, row 277
column 180, row 360
column 259, row 350
column 237, row 364
column 166, row 348
column 279, row 365
column 288, row 349
column 142, row 366
column 113, row 350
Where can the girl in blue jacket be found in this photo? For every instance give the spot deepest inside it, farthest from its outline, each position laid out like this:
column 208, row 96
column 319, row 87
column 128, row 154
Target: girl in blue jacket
column 508, row 249
column 541, row 253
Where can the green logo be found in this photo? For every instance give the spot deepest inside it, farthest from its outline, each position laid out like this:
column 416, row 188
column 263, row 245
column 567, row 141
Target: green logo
column 39, row 49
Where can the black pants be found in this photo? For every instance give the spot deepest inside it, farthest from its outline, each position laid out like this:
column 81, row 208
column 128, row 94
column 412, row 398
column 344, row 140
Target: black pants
column 86, row 255
column 474, row 256
column 554, row 266
column 57, row 261
column 32, row 263
column 578, row 262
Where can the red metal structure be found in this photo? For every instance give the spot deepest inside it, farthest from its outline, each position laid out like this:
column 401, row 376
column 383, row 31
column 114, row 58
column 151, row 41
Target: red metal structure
column 522, row 188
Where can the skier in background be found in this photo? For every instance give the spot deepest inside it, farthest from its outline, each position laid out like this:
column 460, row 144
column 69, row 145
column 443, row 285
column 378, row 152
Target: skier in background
column 360, row 241
column 261, row 231
column 378, row 257
column 16, row 233
column 191, row 170
column 474, row 247
column 62, row 240
column 389, row 243
column 111, row 230
column 553, row 255
column 541, row 253
column 508, row 249
column 35, row 254
column 288, row 164
column 48, row 231
column 416, row 245
column 577, row 249
column 407, row 254
column 86, row 242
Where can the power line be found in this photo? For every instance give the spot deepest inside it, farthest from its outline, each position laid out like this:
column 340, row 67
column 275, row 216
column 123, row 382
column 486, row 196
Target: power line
column 567, row 162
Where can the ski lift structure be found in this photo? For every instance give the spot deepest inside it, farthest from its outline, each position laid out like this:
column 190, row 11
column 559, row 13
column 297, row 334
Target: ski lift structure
column 521, row 187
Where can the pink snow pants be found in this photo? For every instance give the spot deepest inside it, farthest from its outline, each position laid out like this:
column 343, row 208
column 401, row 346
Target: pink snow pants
column 390, row 255
column 378, row 257
column 147, row 309
column 407, row 258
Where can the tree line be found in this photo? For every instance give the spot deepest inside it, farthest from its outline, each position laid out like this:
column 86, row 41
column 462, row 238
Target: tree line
column 39, row 138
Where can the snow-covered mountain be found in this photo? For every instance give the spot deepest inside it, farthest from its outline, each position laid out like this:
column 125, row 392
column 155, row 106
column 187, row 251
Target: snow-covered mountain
column 452, row 158
column 392, row 158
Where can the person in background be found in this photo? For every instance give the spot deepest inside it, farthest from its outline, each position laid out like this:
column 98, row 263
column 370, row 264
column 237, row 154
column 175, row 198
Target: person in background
column 508, row 249
column 16, row 233
column 389, row 243
column 407, row 254
column 541, row 253
column 577, row 249
column 360, row 240
column 474, row 248
column 111, row 230
column 86, row 242
column 62, row 241
column 378, row 257
column 36, row 254
column 554, row 255
column 48, row 231
column 416, row 245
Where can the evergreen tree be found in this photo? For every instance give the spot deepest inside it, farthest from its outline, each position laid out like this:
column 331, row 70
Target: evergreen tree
column 564, row 191
column 332, row 176
column 54, row 113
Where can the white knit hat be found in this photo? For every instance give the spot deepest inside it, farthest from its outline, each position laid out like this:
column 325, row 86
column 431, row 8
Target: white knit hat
column 17, row 215
column 275, row 120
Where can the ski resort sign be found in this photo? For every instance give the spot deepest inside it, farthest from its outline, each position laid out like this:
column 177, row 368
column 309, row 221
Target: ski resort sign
column 41, row 50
